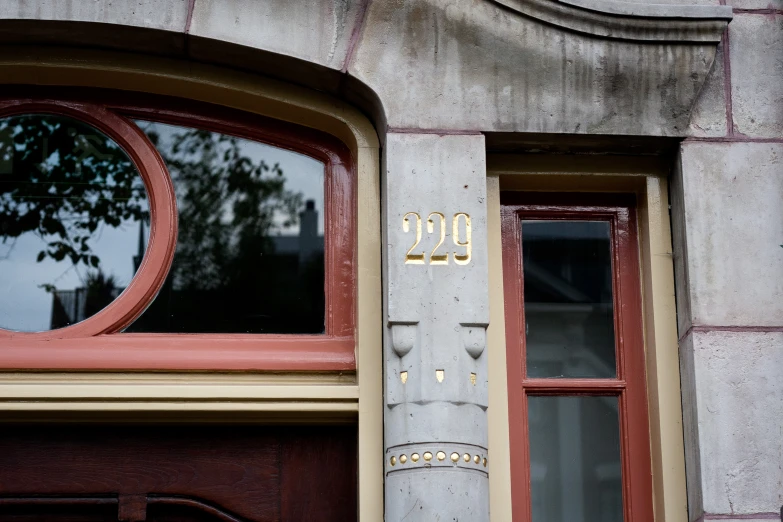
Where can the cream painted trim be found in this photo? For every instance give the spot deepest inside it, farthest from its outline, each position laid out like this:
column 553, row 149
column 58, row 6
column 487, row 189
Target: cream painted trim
column 645, row 176
column 663, row 364
column 53, row 395
column 154, row 389
column 303, row 407
column 143, row 73
column 369, row 353
column 497, row 413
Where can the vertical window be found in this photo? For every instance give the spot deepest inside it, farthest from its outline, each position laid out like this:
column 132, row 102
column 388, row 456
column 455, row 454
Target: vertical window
column 578, row 412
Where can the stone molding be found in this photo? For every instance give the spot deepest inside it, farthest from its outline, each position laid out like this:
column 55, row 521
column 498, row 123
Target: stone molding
column 536, row 66
column 628, row 21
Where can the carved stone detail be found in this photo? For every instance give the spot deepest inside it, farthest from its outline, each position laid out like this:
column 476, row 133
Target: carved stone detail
column 629, row 21
column 403, row 338
column 437, row 315
column 474, row 338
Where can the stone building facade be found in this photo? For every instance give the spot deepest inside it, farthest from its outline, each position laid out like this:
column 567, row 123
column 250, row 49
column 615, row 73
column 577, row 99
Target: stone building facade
column 450, row 109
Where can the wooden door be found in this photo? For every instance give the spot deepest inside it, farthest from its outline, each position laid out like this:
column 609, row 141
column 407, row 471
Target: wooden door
column 181, row 473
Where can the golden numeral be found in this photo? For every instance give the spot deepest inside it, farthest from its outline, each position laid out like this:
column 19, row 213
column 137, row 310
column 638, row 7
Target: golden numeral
column 413, row 259
column 435, row 258
column 438, row 259
column 461, row 259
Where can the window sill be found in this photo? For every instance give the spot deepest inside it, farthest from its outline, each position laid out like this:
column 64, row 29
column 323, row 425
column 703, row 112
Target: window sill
column 181, row 352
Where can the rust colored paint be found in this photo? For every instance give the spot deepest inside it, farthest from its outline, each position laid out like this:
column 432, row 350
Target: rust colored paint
column 97, row 342
column 629, row 385
column 191, row 352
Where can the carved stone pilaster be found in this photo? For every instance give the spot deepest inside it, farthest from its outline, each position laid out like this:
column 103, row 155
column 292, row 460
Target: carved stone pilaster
column 437, row 313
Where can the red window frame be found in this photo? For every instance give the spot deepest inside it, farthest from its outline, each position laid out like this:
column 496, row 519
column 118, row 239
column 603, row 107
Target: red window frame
column 97, row 343
column 629, row 385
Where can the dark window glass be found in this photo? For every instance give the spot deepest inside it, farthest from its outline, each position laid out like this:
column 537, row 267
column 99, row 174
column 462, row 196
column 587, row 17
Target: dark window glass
column 568, row 299
column 250, row 249
column 72, row 213
column 575, row 467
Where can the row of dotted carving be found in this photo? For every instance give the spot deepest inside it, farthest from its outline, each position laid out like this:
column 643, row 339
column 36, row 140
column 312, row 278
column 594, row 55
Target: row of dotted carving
column 440, row 456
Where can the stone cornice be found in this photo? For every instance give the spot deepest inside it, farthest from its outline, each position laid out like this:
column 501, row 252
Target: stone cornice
column 615, row 19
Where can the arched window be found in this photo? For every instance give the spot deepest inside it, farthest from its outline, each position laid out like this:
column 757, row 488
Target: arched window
column 127, row 221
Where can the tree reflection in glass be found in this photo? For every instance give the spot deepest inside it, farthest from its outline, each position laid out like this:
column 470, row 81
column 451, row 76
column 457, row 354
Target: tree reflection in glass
column 71, row 208
column 250, row 249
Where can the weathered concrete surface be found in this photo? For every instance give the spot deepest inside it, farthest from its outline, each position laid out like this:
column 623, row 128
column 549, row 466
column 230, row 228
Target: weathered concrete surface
column 757, row 74
column 756, row 4
column 690, row 426
column 467, row 64
column 680, row 251
column 732, row 197
column 169, row 15
column 482, row 65
column 736, row 380
column 727, row 224
column 146, row 26
column 311, row 30
column 435, row 357
column 708, row 117
column 675, row 2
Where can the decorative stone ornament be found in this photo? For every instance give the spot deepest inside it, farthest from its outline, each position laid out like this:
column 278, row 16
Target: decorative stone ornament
column 538, row 66
column 437, row 312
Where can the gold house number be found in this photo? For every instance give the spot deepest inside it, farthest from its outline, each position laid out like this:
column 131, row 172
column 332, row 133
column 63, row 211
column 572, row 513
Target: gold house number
column 438, row 219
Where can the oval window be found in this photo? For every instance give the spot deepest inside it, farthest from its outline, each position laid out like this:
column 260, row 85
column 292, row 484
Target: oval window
column 96, row 199
column 73, row 214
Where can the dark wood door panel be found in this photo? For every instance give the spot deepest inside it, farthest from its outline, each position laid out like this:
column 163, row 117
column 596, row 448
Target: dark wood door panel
column 37, row 509
column 177, row 473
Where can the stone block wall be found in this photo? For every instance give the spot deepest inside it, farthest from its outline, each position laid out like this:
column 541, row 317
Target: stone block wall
column 727, row 209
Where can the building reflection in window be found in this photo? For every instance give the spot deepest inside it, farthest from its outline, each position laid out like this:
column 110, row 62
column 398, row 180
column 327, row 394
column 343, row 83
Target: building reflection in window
column 250, row 247
column 575, row 459
column 569, row 317
column 569, row 321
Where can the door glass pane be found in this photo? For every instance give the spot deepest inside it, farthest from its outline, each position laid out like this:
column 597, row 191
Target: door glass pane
column 72, row 213
column 575, row 459
column 569, row 319
column 250, row 246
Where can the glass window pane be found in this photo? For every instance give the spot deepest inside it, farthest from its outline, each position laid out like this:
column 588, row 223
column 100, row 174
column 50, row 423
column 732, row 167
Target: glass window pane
column 72, row 213
column 250, row 249
column 575, row 459
column 569, row 319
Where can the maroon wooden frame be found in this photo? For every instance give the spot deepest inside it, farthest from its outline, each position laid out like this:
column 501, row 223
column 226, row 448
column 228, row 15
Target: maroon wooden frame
column 629, row 385
column 97, row 342
column 229, row 472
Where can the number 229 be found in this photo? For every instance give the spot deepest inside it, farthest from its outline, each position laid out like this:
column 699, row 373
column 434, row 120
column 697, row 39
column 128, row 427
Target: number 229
column 435, row 258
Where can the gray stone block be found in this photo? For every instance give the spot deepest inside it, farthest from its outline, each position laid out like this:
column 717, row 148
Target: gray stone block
column 467, row 65
column 756, row 43
column 676, row 2
column 756, row 4
column 168, row 15
column 739, row 400
column 708, row 117
column 690, row 426
column 438, row 495
column 311, row 30
column 733, row 202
